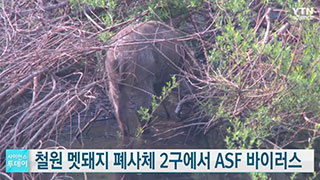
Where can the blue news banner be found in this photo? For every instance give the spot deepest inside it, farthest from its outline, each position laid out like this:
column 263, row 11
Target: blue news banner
column 156, row 160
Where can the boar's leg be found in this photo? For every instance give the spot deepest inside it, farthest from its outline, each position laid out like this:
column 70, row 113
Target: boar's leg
column 134, row 90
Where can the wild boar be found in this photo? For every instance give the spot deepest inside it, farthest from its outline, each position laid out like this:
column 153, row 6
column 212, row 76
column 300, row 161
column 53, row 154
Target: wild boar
column 140, row 60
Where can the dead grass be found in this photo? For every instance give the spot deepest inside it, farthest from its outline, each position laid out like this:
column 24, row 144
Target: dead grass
column 49, row 70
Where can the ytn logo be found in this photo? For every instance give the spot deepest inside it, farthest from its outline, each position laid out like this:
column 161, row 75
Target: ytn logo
column 303, row 13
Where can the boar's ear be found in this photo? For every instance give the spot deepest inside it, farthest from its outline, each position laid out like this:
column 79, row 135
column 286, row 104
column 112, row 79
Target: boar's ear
column 114, row 67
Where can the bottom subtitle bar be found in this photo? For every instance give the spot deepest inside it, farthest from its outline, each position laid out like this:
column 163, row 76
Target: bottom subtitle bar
column 157, row 161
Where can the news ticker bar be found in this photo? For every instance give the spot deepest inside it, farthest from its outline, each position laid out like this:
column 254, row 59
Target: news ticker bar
column 158, row 160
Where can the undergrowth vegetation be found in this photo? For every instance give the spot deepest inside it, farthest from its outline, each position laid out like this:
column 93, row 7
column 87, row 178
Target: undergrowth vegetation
column 259, row 76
